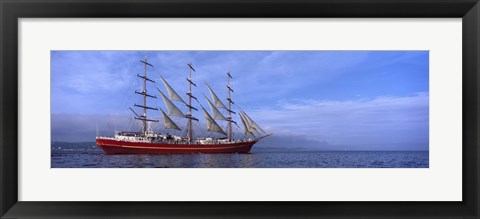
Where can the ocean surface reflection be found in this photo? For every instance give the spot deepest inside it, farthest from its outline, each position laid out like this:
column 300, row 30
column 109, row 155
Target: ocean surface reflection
column 92, row 157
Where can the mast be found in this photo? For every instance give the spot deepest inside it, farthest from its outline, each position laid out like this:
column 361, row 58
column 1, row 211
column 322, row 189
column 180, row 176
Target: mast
column 230, row 131
column 144, row 127
column 144, row 93
column 190, row 107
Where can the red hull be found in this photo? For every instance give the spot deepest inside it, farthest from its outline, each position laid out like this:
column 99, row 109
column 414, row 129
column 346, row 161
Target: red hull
column 110, row 146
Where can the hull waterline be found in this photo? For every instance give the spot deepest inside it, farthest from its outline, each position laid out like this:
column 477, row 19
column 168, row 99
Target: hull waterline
column 110, row 146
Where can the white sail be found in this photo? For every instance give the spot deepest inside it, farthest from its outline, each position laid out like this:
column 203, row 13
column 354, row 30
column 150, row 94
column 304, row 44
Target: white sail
column 246, row 126
column 217, row 115
column 218, row 103
column 171, row 92
column 252, row 123
column 211, row 124
column 172, row 109
column 168, row 123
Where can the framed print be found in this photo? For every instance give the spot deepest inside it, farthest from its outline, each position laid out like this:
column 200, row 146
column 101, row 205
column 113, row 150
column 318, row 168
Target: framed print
column 227, row 109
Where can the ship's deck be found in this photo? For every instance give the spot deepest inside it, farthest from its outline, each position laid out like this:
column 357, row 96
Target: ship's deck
column 185, row 142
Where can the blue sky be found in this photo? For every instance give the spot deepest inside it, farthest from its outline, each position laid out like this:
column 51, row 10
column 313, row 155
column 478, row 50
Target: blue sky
column 355, row 100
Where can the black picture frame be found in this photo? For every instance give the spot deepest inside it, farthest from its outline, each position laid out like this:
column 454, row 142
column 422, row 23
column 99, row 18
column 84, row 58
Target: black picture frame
column 12, row 10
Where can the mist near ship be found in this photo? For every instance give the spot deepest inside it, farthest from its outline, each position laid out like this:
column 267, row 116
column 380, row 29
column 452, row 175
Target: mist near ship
column 83, row 128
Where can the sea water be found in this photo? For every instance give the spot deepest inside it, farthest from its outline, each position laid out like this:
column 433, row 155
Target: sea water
column 88, row 155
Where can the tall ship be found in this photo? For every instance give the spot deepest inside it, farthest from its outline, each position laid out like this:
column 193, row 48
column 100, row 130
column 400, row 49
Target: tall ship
column 147, row 141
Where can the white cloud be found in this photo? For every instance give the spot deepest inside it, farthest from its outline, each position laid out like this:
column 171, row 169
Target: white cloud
column 89, row 73
column 383, row 121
